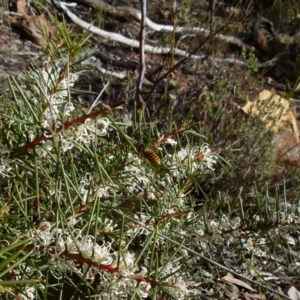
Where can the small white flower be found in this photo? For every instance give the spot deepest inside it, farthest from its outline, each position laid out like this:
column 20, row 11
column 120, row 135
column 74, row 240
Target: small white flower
column 143, row 289
column 66, row 145
column 69, row 107
column 5, row 166
column 70, row 245
column 171, row 142
column 102, row 255
column 29, row 293
column 104, row 123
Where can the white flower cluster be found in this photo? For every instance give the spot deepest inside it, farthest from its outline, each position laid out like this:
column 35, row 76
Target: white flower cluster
column 118, row 271
column 255, row 245
column 22, row 273
column 53, row 88
column 119, row 277
column 140, row 178
column 197, row 158
column 5, row 167
column 177, row 286
column 28, row 293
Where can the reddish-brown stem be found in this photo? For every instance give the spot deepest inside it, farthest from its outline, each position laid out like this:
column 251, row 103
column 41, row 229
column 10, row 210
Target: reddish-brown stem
column 48, row 135
column 79, row 258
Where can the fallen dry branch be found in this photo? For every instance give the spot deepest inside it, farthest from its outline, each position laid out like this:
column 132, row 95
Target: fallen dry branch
column 125, row 11
column 147, row 48
column 96, row 65
column 120, row 38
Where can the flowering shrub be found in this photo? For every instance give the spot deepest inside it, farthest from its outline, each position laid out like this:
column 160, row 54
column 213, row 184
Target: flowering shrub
column 85, row 174
column 115, row 209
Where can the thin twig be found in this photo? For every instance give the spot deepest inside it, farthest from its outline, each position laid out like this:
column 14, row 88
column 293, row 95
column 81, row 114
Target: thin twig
column 189, row 55
column 142, row 65
column 212, row 4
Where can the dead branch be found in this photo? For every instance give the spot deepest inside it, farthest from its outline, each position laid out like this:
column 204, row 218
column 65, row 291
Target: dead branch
column 147, row 48
column 125, row 11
